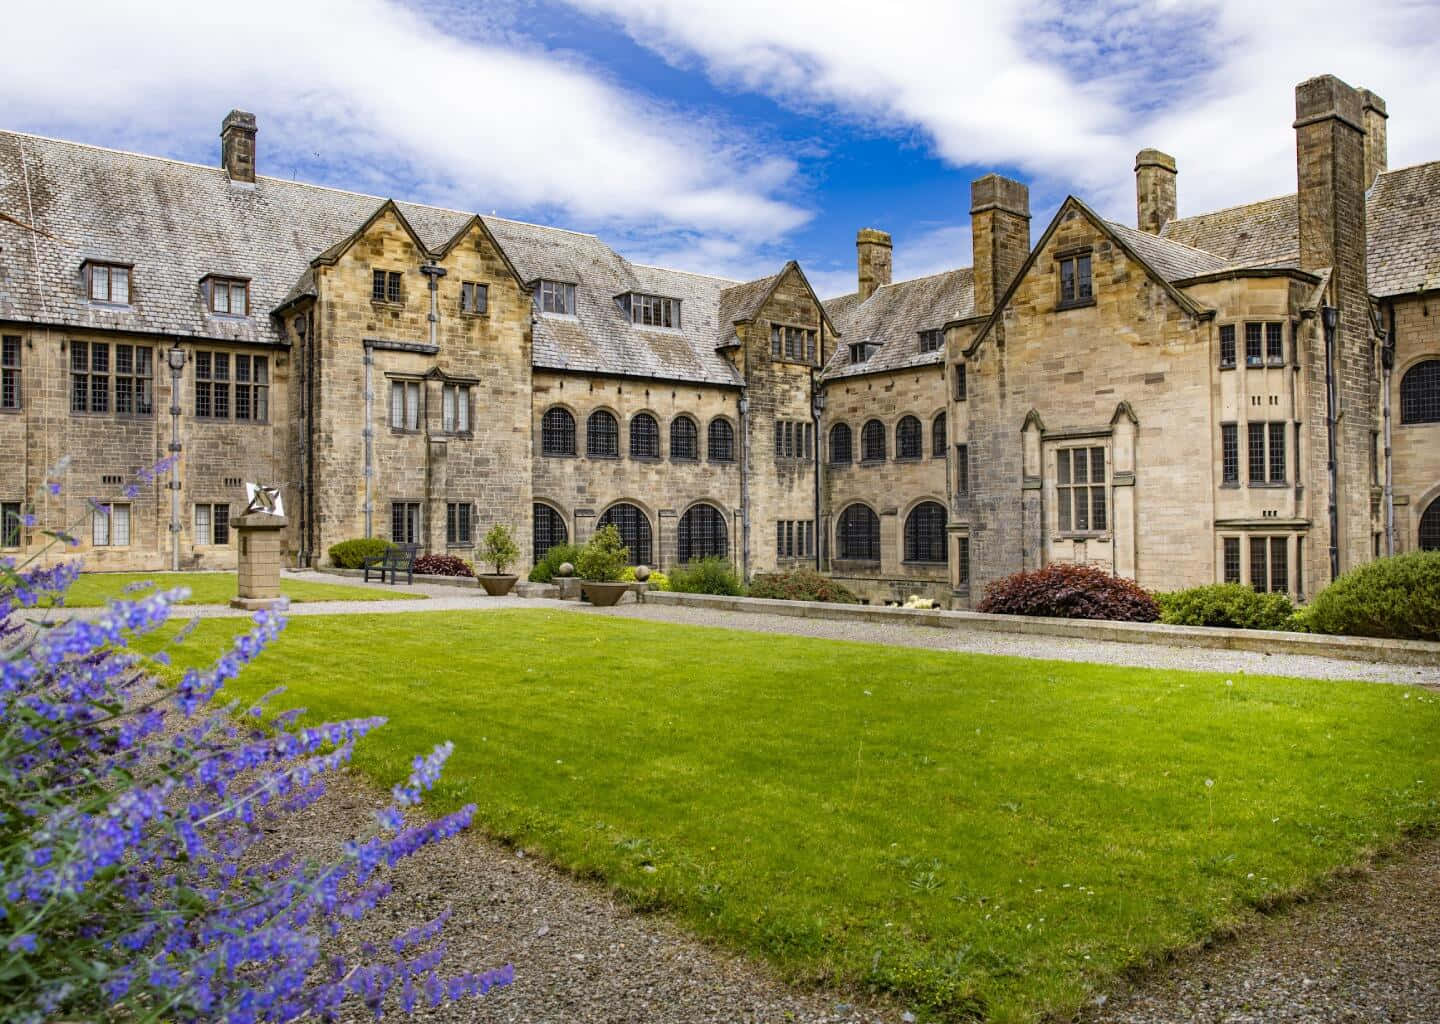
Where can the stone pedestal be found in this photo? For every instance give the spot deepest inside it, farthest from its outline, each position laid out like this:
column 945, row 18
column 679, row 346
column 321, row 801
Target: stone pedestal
column 569, row 587
column 258, row 576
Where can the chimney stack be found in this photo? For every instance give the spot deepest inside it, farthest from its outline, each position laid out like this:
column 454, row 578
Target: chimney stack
column 237, row 145
column 1376, row 157
column 872, row 255
column 1330, row 162
column 999, row 236
column 1154, row 190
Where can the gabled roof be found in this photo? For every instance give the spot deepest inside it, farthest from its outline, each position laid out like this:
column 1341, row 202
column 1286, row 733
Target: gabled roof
column 340, row 248
column 893, row 317
column 177, row 222
column 1139, row 246
column 1402, row 221
column 744, row 302
column 1171, row 260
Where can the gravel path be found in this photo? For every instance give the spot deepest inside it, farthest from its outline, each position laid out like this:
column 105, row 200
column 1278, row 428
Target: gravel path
column 1368, row 951
column 578, row 955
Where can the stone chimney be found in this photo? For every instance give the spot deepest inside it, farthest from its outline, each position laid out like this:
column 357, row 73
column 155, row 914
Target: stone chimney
column 1330, row 162
column 872, row 255
column 999, row 236
column 1376, row 157
column 1154, row 190
column 237, row 145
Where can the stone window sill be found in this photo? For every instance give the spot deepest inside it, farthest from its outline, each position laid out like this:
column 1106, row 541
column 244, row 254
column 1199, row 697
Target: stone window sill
column 559, row 455
column 1061, row 307
column 1269, row 485
column 688, row 459
column 1230, row 485
column 475, row 314
column 721, row 462
column 1103, row 535
column 873, row 462
column 909, row 458
column 644, row 458
column 387, row 304
column 602, row 456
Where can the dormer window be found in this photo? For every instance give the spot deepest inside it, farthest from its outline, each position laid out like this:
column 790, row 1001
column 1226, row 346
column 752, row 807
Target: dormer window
column 930, row 341
column 229, row 296
column 861, row 351
column 108, row 282
column 651, row 310
column 555, row 297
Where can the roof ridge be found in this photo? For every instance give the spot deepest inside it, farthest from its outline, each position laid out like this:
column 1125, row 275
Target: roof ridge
column 1167, row 241
column 676, row 270
column 924, row 277
column 1407, row 167
column 1227, row 209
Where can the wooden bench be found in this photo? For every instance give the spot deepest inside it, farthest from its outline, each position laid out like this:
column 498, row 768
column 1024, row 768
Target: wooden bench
column 397, row 559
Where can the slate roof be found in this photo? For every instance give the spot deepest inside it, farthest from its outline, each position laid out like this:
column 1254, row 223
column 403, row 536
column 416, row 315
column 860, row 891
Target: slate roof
column 177, row 222
column 1402, row 220
column 893, row 318
column 1172, row 260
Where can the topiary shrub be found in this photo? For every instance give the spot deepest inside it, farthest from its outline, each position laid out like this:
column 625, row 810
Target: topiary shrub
column 1231, row 605
column 351, row 554
column 1395, row 597
column 499, row 549
column 604, row 556
column 800, row 585
column 713, row 575
column 1070, row 592
column 657, row 581
column 545, row 569
column 442, row 565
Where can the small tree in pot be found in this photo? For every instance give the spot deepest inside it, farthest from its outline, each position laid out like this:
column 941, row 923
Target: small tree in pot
column 600, row 564
column 498, row 549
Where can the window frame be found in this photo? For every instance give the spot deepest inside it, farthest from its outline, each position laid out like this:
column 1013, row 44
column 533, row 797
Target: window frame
column 873, row 436
column 469, row 290
column 1080, row 296
column 962, row 470
column 682, row 450
column 909, row 445
column 961, row 386
column 215, row 284
column 1273, row 437
column 404, row 508
column 846, row 528
column 126, row 270
column 110, row 518
column 553, row 518
column 610, row 434
column 554, row 431
column 1067, row 525
column 12, row 373
column 140, row 385
column 932, row 339
column 215, row 524
column 654, row 311
column 1229, row 455
column 648, row 439
column 715, row 526
column 939, row 435
column 645, row 535
column 1227, row 347
column 457, row 411
column 12, row 525
column 792, row 343
column 459, row 524
column 548, row 291
column 412, row 413
column 387, row 287
column 913, row 541
column 1420, row 393
column 849, row 435
column 727, row 457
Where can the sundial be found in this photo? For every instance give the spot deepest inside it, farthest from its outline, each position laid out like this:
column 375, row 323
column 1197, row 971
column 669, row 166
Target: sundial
column 263, row 499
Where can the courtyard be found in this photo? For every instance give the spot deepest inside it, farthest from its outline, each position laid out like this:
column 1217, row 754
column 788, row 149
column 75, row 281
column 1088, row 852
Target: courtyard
column 966, row 834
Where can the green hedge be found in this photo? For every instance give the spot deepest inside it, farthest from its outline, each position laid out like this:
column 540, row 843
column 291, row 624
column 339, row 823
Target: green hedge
column 351, row 554
column 544, row 571
column 706, row 576
column 1390, row 597
column 1231, row 605
column 801, row 585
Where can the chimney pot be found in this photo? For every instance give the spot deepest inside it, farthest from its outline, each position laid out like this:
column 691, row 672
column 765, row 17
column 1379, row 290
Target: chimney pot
column 237, row 145
column 1155, row 204
column 873, row 251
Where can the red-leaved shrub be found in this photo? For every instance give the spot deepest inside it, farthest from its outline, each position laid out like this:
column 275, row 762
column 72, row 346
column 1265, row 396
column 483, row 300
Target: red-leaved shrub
column 1070, row 592
column 442, row 565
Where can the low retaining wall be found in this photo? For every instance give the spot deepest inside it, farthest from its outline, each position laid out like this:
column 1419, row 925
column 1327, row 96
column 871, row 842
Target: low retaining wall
column 1351, row 648
column 523, row 587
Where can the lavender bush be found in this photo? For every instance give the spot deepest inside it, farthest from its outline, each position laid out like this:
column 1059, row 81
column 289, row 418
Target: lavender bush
column 134, row 875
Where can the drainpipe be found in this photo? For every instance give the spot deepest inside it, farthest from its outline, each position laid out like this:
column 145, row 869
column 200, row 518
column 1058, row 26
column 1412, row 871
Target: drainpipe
column 744, row 406
column 1387, row 367
column 817, row 406
column 369, row 434
column 176, row 359
column 1330, row 316
column 301, row 325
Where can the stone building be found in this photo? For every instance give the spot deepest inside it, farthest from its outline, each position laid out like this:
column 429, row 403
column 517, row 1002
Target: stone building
column 1160, row 400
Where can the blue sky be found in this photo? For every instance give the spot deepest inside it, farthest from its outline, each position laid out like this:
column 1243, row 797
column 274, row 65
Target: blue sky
column 726, row 136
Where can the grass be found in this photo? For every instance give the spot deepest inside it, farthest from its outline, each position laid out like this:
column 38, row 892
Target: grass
column 978, row 835
column 95, row 588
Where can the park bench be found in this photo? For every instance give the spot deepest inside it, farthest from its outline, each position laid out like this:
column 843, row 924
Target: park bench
column 397, row 559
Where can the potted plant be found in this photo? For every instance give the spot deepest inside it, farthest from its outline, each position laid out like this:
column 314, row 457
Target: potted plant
column 600, row 564
column 498, row 549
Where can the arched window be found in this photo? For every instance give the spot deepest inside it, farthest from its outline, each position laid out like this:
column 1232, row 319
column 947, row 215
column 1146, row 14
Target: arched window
column 909, row 438
column 722, row 440
column 840, row 453
column 937, row 437
column 1420, row 393
column 1430, row 527
column 872, row 442
column 858, row 534
column 644, row 436
column 557, row 432
column 634, row 530
column 702, row 534
column 925, row 533
column 602, row 436
column 548, row 529
column 684, row 438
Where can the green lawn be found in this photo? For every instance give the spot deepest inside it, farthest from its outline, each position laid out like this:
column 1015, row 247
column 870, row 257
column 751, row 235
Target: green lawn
column 95, row 588
column 975, row 834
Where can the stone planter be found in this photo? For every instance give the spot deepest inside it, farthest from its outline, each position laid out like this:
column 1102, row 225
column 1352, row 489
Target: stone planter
column 496, row 584
column 603, row 595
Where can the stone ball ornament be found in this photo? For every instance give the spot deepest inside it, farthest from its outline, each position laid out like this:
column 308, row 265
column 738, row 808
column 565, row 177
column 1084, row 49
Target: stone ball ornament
column 642, row 573
column 565, row 569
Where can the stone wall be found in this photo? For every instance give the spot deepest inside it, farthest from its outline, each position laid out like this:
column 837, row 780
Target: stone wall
column 582, row 487
column 1415, row 446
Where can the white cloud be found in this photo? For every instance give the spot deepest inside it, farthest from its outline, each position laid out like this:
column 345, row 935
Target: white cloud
column 1065, row 92
column 388, row 103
